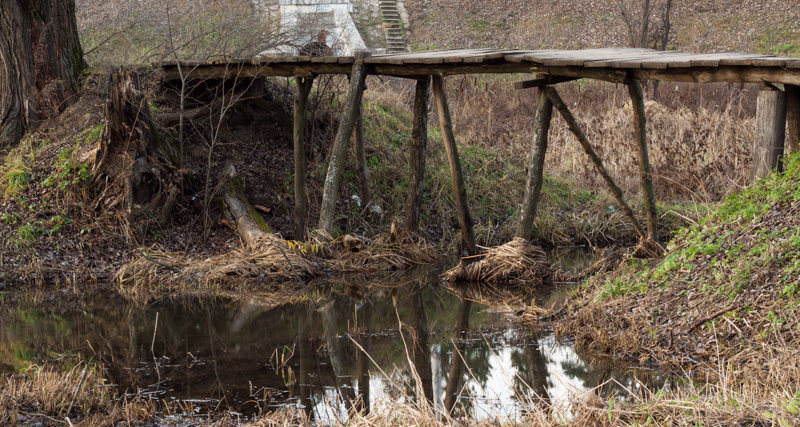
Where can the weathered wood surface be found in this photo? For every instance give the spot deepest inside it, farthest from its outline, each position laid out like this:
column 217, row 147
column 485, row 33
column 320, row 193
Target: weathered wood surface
column 645, row 173
column 770, row 131
column 418, row 146
column 459, row 187
column 533, row 188
column 330, row 192
column 604, row 64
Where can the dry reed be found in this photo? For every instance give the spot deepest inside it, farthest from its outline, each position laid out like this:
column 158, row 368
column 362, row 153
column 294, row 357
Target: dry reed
column 517, row 262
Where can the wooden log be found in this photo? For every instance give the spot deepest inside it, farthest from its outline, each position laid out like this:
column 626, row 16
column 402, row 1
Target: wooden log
column 330, row 192
column 575, row 128
column 533, row 187
column 416, row 162
column 249, row 224
column 300, row 195
column 361, row 158
column 645, row 172
column 460, row 189
column 770, row 131
column 792, row 119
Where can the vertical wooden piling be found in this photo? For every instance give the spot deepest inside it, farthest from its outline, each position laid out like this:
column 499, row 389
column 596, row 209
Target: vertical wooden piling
column 770, row 131
column 576, row 130
column 330, row 192
column 645, row 173
column 533, row 188
column 460, row 189
column 792, row 119
column 300, row 197
column 419, row 143
column 361, row 157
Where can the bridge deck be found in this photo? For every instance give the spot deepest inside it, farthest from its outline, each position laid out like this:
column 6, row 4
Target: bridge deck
column 610, row 64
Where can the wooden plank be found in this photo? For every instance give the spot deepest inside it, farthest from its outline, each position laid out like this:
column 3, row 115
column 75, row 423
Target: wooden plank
column 632, row 60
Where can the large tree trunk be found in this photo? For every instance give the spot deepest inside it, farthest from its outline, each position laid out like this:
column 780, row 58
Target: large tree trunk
column 40, row 63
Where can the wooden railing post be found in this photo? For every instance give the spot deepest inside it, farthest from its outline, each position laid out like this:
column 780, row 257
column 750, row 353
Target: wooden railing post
column 419, row 143
column 460, row 189
column 770, row 131
column 645, row 173
column 300, row 196
column 533, row 187
column 330, row 192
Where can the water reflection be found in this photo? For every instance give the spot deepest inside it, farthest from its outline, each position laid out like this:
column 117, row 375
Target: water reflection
column 361, row 349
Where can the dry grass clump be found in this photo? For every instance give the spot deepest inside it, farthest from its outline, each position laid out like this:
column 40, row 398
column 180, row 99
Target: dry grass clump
column 514, row 263
column 49, row 396
column 267, row 266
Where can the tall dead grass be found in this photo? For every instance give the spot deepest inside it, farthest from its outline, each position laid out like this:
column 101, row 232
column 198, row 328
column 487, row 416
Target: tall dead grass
column 699, row 134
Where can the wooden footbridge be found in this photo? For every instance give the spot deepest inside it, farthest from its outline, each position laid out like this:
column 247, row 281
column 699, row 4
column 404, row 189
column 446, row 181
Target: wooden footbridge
column 778, row 104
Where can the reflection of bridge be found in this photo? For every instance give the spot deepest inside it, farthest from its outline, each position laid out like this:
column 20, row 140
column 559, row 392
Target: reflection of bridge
column 777, row 105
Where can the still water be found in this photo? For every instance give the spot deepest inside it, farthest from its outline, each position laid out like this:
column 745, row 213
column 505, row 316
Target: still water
column 400, row 339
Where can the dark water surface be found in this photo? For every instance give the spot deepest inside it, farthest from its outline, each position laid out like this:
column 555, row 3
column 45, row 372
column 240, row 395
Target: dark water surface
column 205, row 356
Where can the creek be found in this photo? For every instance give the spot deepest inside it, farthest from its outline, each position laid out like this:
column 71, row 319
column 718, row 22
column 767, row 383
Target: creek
column 399, row 339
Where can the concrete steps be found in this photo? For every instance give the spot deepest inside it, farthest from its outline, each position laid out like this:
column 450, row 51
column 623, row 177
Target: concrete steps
column 392, row 26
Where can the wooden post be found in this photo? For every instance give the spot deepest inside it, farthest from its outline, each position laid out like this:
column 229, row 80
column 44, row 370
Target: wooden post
column 300, row 197
column 416, row 162
column 578, row 132
column 462, row 207
column 330, row 192
column 361, row 157
column 533, row 188
column 770, row 131
column 645, row 173
column 792, row 118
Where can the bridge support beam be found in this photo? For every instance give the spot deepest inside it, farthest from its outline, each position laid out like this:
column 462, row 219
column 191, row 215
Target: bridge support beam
column 460, row 189
column 576, row 130
column 770, row 131
column 419, row 143
column 361, row 157
column 533, row 188
column 300, row 196
column 792, row 119
column 330, row 192
column 645, row 173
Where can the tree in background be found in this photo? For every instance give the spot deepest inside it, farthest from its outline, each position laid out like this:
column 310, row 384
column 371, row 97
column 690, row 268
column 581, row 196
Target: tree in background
column 648, row 24
column 40, row 63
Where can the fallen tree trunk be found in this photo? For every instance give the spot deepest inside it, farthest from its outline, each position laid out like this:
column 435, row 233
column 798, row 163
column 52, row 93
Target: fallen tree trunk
column 249, row 224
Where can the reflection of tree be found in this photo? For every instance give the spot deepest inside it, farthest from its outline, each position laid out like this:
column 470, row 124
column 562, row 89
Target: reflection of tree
column 454, row 377
column 362, row 361
column 421, row 348
column 335, row 353
column 531, row 366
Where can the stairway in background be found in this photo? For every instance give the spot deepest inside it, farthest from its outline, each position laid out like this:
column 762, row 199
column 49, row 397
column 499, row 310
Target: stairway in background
column 393, row 26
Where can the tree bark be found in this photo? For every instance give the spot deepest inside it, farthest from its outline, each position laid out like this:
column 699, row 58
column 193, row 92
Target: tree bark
column 459, row 187
column 360, row 155
column 40, row 63
column 330, row 192
column 645, row 172
column 770, row 132
column 544, row 112
column 419, row 143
